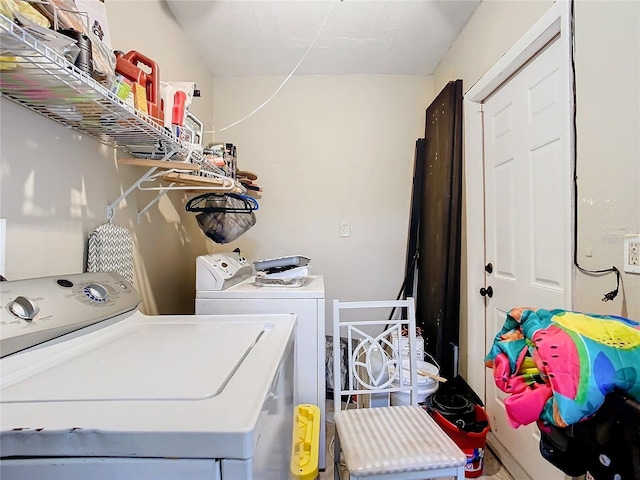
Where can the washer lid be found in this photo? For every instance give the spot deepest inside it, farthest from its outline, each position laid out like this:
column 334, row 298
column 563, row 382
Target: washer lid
column 160, row 359
column 186, row 386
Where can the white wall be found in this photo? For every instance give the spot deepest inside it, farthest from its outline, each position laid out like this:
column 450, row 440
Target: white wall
column 55, row 184
column 607, row 76
column 608, row 106
column 326, row 149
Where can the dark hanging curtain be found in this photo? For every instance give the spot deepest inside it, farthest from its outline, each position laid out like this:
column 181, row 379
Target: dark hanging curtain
column 439, row 231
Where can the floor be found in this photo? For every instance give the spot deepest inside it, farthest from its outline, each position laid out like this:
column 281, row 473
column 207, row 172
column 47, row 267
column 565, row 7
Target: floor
column 493, row 469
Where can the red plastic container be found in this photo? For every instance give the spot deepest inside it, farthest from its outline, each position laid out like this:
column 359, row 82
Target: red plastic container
column 472, row 444
column 177, row 113
column 127, row 66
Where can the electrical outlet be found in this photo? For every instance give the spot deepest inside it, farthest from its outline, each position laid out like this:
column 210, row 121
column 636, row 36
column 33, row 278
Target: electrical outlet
column 632, row 254
column 345, row 228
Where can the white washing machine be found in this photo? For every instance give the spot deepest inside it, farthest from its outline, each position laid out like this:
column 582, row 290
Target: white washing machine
column 135, row 396
column 306, row 301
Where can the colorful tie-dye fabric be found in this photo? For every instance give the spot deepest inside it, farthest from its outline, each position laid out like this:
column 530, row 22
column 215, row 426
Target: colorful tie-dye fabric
column 559, row 365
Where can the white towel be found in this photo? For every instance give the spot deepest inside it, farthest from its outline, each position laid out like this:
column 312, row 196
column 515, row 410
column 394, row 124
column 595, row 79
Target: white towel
column 111, row 250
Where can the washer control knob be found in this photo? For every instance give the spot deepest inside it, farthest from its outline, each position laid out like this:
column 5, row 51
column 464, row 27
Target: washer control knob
column 96, row 292
column 24, row 308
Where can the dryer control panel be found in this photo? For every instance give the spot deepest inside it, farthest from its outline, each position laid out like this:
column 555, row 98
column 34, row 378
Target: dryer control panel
column 36, row 310
column 219, row 271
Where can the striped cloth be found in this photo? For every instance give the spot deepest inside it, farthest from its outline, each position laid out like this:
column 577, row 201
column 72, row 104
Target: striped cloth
column 111, row 250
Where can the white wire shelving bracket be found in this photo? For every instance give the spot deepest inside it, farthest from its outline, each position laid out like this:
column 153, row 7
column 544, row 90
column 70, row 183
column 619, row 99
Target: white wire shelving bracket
column 38, row 78
column 187, row 176
column 111, row 207
column 223, row 185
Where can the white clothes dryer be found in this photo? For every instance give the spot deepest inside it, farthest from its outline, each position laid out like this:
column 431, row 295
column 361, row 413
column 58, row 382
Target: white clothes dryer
column 306, row 301
column 137, row 396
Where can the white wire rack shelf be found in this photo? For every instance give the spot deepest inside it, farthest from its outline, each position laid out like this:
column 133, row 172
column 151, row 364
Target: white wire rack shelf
column 40, row 79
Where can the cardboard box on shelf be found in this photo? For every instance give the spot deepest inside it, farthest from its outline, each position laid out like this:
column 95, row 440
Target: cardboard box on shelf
column 97, row 17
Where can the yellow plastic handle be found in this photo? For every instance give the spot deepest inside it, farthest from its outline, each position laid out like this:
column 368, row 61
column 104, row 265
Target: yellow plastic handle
column 305, row 443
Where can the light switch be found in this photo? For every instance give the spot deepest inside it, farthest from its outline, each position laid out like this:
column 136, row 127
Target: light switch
column 345, row 228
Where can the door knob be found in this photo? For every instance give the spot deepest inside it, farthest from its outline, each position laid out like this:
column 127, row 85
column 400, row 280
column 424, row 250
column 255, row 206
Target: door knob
column 487, row 291
column 488, row 268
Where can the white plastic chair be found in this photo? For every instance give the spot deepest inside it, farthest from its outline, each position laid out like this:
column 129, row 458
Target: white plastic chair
column 387, row 442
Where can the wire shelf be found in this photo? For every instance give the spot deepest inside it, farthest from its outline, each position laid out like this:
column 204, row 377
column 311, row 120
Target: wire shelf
column 40, row 79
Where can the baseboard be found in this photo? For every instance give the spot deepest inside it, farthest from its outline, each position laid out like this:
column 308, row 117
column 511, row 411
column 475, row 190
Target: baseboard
column 510, row 463
column 507, row 460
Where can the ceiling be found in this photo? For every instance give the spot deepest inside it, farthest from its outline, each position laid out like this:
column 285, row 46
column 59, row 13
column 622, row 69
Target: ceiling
column 359, row 37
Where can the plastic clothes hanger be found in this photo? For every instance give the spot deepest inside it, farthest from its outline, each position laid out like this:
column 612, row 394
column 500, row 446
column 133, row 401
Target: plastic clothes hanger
column 227, row 183
column 214, row 202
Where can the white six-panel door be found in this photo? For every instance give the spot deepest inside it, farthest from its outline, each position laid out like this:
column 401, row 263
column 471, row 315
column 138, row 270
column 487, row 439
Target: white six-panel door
column 527, row 218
